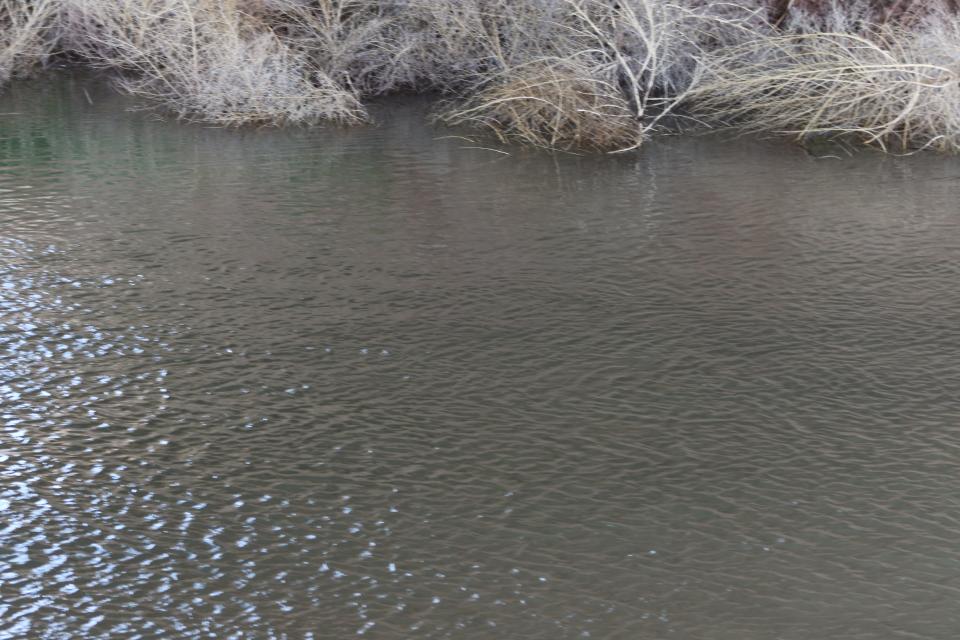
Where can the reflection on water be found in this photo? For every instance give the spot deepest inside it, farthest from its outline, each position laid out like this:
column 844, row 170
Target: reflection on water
column 315, row 384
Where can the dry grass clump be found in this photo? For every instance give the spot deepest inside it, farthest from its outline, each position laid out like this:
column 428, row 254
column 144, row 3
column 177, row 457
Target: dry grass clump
column 890, row 86
column 553, row 103
column 217, row 61
column 24, row 35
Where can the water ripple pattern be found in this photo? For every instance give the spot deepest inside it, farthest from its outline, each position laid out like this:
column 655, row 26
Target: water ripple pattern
column 378, row 383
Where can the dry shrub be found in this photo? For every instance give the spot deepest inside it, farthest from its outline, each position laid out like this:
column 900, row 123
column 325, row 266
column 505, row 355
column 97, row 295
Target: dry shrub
column 352, row 41
column 596, row 74
column 619, row 68
column 553, row 103
column 874, row 12
column 24, row 35
column 656, row 45
column 891, row 86
column 459, row 46
column 210, row 60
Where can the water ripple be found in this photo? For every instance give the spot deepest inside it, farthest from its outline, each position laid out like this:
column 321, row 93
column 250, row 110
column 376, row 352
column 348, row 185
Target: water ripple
column 325, row 384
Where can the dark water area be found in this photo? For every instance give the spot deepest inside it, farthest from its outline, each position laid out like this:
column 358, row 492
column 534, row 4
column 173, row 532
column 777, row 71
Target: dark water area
column 374, row 382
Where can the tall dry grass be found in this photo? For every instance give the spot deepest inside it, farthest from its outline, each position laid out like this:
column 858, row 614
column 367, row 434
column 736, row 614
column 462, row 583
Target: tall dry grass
column 890, row 85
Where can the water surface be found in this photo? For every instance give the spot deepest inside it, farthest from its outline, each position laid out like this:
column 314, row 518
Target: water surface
column 321, row 383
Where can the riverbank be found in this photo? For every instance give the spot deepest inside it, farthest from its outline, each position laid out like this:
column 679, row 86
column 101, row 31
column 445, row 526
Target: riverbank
column 598, row 75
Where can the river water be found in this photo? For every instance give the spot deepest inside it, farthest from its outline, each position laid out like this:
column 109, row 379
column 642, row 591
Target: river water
column 380, row 382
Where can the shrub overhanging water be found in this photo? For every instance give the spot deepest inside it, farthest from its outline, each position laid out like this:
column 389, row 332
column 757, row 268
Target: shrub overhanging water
column 589, row 74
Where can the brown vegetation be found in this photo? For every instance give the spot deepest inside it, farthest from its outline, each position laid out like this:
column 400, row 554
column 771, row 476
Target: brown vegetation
column 891, row 85
column 594, row 74
column 24, row 38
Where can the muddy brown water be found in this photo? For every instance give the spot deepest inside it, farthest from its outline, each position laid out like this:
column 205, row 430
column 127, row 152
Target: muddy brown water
column 376, row 382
